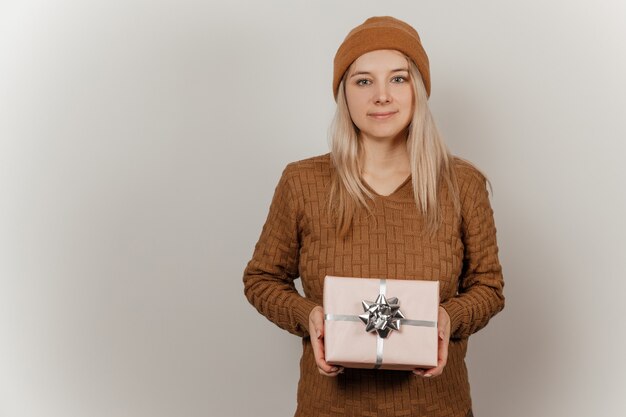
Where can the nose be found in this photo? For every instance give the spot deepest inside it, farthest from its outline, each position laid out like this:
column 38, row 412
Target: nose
column 382, row 94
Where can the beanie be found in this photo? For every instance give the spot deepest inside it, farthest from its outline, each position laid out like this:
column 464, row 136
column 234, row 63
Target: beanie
column 380, row 32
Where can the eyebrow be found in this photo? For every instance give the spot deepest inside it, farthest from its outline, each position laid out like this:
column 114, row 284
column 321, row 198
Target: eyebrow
column 365, row 72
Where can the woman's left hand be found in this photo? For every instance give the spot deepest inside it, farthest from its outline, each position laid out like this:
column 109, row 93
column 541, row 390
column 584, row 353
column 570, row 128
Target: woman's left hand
column 443, row 329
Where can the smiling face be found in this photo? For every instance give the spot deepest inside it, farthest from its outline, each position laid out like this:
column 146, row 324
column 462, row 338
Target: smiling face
column 379, row 94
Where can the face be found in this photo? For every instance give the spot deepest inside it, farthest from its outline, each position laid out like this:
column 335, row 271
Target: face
column 379, row 94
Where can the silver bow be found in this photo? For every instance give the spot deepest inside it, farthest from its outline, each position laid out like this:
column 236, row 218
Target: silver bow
column 382, row 316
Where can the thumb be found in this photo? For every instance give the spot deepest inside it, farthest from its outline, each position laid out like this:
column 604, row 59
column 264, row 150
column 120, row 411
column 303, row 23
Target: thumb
column 320, row 332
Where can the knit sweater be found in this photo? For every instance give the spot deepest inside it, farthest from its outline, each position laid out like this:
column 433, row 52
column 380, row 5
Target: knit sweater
column 297, row 240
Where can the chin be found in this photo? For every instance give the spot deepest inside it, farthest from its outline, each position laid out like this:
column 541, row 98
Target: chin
column 383, row 133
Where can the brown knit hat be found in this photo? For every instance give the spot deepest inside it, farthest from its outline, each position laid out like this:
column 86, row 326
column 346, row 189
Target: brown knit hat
column 380, row 32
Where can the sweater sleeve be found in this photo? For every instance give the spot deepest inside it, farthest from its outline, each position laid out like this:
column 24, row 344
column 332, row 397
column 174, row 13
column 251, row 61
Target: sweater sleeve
column 269, row 275
column 480, row 295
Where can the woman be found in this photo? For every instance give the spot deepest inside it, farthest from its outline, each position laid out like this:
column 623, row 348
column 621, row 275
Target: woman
column 390, row 201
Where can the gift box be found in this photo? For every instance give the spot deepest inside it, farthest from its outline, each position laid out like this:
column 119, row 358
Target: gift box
column 380, row 323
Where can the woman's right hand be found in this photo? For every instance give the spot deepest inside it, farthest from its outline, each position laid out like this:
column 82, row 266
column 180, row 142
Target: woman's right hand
column 316, row 330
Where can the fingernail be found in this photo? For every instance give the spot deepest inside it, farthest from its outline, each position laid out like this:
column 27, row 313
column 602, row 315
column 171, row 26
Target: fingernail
column 428, row 375
column 333, row 369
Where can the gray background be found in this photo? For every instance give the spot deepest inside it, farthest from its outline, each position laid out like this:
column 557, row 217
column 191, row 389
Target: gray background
column 140, row 144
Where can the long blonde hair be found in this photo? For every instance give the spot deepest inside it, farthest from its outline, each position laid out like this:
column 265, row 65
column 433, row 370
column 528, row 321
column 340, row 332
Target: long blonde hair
column 430, row 161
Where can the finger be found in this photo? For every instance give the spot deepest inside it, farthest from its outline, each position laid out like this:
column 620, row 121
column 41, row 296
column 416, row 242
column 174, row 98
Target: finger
column 320, row 359
column 318, row 352
column 324, row 367
column 432, row 372
column 444, row 350
column 339, row 370
column 320, row 332
column 435, row 371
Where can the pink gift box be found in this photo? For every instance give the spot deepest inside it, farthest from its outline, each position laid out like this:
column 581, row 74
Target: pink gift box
column 346, row 339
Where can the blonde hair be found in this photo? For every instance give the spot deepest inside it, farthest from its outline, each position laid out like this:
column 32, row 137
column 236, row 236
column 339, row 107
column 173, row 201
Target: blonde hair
column 430, row 161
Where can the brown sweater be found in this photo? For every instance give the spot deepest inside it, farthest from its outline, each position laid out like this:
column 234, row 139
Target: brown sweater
column 298, row 241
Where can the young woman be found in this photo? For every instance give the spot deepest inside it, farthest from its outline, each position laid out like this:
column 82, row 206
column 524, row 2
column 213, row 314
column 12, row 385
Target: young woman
column 388, row 201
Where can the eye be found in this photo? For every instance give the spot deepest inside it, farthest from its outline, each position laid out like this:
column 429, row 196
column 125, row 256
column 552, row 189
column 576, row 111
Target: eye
column 401, row 78
column 359, row 81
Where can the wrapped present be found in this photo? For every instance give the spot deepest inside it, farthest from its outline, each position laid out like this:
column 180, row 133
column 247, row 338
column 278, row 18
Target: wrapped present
column 380, row 323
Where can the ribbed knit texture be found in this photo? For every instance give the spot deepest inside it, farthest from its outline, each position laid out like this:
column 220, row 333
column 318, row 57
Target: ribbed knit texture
column 297, row 240
column 380, row 32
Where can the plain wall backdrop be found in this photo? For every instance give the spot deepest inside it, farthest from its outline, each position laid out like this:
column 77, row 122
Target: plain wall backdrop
column 140, row 145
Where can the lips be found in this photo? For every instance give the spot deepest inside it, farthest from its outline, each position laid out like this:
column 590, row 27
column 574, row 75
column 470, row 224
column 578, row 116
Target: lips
column 382, row 115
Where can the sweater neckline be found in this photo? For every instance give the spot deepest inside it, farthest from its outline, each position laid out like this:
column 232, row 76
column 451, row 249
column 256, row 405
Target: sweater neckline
column 391, row 195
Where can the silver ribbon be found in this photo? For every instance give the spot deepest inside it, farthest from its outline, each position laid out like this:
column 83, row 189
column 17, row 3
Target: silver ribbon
column 381, row 316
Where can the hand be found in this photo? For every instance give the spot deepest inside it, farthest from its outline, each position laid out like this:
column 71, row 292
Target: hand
column 316, row 330
column 443, row 329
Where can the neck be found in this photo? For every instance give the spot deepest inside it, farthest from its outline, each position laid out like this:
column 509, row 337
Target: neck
column 386, row 156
